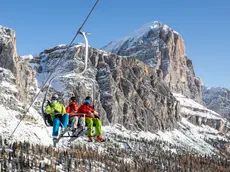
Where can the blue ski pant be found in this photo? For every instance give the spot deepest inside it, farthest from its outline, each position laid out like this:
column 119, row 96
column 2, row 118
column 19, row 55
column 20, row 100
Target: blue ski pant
column 56, row 123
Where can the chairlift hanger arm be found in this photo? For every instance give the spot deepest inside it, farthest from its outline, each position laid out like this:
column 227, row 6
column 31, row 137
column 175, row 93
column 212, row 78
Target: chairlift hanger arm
column 78, row 74
column 79, row 30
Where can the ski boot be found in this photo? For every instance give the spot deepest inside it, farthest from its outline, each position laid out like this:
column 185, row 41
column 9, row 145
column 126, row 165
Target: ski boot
column 99, row 139
column 90, row 139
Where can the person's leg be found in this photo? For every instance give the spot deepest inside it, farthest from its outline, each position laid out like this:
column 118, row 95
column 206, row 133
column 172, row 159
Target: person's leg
column 70, row 121
column 80, row 129
column 98, row 128
column 77, row 127
column 65, row 120
column 89, row 122
column 81, row 122
column 56, row 123
column 74, row 122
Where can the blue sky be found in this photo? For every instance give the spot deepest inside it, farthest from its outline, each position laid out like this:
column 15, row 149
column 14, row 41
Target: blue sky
column 204, row 26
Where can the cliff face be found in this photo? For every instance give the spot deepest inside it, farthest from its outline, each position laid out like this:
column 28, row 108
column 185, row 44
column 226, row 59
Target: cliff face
column 9, row 59
column 127, row 91
column 17, row 87
column 134, row 95
column 161, row 47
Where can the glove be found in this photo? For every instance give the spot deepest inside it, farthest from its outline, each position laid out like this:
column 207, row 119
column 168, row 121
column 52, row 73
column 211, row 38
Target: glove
column 91, row 114
column 96, row 116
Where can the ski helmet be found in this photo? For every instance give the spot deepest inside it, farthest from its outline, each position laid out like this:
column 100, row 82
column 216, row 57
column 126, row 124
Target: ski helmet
column 54, row 97
column 88, row 98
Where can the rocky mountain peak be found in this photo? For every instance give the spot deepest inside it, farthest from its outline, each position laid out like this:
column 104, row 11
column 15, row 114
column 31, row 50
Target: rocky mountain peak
column 159, row 46
column 135, row 38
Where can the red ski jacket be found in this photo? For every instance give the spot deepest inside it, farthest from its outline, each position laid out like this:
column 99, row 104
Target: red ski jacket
column 72, row 109
column 85, row 109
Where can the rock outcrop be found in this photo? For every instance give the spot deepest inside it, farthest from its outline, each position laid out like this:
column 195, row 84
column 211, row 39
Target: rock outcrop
column 200, row 115
column 9, row 59
column 159, row 46
column 217, row 99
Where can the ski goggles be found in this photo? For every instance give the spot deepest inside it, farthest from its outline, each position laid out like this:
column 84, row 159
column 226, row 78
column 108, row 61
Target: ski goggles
column 72, row 101
column 53, row 98
column 88, row 101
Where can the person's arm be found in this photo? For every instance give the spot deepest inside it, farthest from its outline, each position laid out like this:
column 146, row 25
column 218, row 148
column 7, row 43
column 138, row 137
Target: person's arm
column 96, row 114
column 91, row 108
column 49, row 110
column 62, row 109
column 67, row 109
column 86, row 110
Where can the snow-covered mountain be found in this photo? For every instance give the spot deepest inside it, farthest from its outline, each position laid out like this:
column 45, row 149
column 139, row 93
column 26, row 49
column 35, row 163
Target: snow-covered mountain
column 159, row 46
column 217, row 99
column 112, row 73
column 136, row 106
column 17, row 87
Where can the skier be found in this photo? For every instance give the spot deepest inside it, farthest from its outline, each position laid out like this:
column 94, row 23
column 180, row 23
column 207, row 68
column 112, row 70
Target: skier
column 58, row 115
column 74, row 119
column 92, row 119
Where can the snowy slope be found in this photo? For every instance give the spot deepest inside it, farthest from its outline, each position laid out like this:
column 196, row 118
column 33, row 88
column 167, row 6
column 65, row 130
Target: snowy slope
column 187, row 138
column 190, row 107
column 32, row 127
